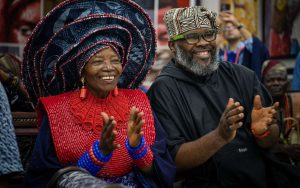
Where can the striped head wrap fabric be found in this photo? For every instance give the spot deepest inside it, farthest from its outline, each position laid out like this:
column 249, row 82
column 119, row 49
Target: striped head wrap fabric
column 181, row 20
column 70, row 34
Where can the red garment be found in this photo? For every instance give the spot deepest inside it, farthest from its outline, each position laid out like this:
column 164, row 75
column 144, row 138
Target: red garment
column 280, row 44
column 76, row 124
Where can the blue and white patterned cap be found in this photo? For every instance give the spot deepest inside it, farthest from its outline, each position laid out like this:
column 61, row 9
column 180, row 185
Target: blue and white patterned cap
column 66, row 38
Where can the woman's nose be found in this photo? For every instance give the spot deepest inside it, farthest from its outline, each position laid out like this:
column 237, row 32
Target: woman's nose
column 108, row 65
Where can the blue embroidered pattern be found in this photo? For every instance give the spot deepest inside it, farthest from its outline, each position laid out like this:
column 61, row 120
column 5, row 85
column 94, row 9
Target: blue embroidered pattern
column 9, row 151
column 81, row 179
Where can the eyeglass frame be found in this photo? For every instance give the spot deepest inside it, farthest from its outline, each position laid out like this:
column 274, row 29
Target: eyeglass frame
column 199, row 34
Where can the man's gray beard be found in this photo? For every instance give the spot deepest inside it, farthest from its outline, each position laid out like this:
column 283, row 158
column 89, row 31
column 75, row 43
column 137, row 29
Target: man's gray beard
column 193, row 66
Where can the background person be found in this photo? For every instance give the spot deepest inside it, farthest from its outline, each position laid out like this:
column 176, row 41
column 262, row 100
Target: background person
column 241, row 47
column 274, row 77
column 10, row 76
column 162, row 58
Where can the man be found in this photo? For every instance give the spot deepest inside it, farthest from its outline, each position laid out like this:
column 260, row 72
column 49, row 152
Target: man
column 274, row 77
column 212, row 112
column 242, row 48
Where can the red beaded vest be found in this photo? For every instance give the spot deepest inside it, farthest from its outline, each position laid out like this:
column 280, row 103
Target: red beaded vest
column 76, row 124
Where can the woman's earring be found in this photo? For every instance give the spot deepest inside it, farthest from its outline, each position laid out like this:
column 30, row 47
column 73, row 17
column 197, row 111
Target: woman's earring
column 82, row 93
column 115, row 91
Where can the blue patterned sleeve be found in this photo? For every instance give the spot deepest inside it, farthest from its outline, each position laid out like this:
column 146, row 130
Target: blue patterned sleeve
column 9, row 152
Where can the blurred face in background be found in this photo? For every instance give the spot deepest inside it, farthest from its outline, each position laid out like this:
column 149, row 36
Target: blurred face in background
column 231, row 32
column 162, row 35
column 276, row 82
column 24, row 22
column 163, row 57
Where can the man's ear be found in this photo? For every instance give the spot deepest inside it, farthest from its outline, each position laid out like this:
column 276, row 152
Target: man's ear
column 171, row 46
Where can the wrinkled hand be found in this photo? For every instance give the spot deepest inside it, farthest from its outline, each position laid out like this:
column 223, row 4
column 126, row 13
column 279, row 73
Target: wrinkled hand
column 231, row 120
column 108, row 135
column 262, row 118
column 227, row 16
column 134, row 129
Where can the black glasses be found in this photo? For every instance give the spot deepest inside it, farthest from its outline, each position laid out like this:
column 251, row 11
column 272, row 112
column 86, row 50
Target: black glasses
column 194, row 38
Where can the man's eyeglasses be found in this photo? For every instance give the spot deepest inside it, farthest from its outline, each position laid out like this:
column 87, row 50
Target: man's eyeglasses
column 194, row 38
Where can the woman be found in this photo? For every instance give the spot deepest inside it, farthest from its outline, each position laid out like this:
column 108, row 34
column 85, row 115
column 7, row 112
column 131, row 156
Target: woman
column 109, row 132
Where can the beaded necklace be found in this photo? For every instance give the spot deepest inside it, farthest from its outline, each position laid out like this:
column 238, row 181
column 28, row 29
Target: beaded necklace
column 87, row 112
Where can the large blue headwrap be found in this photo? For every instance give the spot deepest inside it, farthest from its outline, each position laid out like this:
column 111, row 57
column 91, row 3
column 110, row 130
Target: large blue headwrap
column 72, row 32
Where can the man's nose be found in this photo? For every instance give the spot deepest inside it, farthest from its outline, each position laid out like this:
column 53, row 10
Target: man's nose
column 201, row 41
column 275, row 82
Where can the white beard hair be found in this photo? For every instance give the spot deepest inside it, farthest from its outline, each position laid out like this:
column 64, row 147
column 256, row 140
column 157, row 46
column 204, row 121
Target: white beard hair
column 191, row 64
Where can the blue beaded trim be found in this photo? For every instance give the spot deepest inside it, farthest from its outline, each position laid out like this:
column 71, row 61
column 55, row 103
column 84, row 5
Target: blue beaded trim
column 98, row 154
column 139, row 156
column 132, row 151
column 86, row 163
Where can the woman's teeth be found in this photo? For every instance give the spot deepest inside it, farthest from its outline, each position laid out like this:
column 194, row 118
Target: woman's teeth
column 108, row 77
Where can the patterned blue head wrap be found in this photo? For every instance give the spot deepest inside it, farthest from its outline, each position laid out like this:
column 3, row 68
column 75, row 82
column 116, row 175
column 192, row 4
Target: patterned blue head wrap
column 69, row 35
